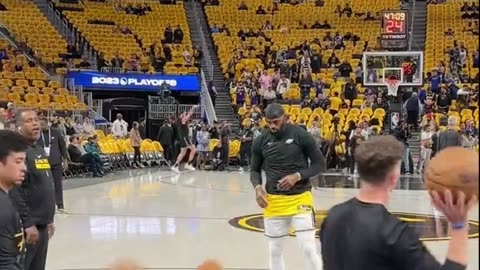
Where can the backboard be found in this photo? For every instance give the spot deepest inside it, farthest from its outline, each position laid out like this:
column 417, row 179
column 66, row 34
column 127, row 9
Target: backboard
column 378, row 67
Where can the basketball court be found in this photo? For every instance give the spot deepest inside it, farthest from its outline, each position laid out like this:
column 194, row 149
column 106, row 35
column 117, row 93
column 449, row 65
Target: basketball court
column 168, row 221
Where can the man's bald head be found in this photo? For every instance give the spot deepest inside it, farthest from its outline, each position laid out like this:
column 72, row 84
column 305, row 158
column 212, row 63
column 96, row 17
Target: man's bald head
column 274, row 111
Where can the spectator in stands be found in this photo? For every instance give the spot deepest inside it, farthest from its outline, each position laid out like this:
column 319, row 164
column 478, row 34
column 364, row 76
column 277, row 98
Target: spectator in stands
column 354, row 141
column 178, row 35
column 212, row 91
column 88, row 126
column 217, row 154
column 225, row 133
column 69, row 127
column 260, row 10
column 369, row 17
column 350, row 91
column 450, row 32
column 101, row 61
column 338, row 10
column 347, row 10
column 246, row 147
column 305, row 82
column 413, row 106
column 242, row 6
column 449, row 137
column 159, row 62
column 443, row 100
column 84, row 64
column 345, row 69
column 168, row 35
column 133, row 63
column 333, row 61
column 319, row 3
column 402, row 133
column 120, row 127
column 326, row 25
column 283, row 86
column 78, row 155
column 187, row 57
column 79, row 126
column 316, row 131
column 117, row 61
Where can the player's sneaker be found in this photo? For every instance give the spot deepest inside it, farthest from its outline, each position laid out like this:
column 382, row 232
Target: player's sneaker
column 189, row 167
column 175, row 169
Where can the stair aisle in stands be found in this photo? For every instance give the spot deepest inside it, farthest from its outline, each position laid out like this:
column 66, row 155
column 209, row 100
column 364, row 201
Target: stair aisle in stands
column 49, row 12
column 198, row 26
column 418, row 11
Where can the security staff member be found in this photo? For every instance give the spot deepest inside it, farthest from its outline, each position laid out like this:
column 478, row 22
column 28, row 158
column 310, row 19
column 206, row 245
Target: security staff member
column 284, row 151
column 55, row 148
column 12, row 172
column 35, row 198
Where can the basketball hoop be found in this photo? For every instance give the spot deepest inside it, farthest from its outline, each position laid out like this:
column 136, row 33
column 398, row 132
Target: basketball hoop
column 392, row 85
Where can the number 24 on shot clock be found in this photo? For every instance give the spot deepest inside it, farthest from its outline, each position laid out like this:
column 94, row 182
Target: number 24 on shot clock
column 394, row 22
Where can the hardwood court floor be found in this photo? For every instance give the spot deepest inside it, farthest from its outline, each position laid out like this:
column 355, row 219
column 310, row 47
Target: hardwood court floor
column 168, row 221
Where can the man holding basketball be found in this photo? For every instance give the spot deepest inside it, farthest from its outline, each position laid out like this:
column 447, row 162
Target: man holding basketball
column 361, row 234
column 183, row 137
column 284, row 151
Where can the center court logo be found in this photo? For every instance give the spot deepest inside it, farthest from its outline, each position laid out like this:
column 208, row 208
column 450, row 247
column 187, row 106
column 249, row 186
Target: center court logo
column 429, row 227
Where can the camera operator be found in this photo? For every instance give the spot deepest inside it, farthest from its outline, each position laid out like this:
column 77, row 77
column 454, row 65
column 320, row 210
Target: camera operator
column 402, row 133
column 164, row 94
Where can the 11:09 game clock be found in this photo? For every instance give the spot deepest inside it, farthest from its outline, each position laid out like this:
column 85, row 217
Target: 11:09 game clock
column 395, row 27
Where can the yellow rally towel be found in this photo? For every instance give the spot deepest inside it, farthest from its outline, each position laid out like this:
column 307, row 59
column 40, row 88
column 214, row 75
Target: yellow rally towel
column 288, row 205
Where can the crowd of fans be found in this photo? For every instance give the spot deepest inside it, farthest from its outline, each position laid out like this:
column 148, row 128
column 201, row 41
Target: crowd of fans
column 297, row 67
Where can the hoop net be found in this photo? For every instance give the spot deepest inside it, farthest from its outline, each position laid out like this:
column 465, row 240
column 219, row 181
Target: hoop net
column 392, row 85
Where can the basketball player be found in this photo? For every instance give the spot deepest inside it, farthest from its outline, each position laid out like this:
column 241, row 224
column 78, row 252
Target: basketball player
column 284, row 151
column 35, row 198
column 361, row 234
column 12, row 172
column 184, row 141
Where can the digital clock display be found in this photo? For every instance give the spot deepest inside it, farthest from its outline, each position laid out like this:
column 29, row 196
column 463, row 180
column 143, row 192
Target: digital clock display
column 394, row 29
column 394, row 22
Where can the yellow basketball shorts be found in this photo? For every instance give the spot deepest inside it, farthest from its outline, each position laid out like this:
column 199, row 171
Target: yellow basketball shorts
column 288, row 211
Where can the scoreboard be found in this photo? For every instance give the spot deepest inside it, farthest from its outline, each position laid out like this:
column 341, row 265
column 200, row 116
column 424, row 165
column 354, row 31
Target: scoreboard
column 394, row 32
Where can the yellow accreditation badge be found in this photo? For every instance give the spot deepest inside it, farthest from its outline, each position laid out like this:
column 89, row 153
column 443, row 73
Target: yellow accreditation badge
column 42, row 164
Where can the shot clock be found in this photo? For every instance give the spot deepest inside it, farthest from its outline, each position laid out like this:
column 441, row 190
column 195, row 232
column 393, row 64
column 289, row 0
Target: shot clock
column 395, row 27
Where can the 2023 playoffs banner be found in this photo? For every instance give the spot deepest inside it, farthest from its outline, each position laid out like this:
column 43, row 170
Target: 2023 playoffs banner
column 134, row 82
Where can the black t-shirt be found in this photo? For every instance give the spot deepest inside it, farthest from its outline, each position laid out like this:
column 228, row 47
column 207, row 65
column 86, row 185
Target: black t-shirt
column 182, row 130
column 291, row 150
column 247, row 133
column 365, row 236
column 12, row 241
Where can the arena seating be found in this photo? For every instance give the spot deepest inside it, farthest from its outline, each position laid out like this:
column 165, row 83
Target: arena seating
column 28, row 25
column 147, row 30
column 441, row 18
column 289, row 17
column 119, row 154
column 30, row 88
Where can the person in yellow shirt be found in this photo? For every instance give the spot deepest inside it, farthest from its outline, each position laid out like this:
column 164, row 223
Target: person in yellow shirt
column 335, row 103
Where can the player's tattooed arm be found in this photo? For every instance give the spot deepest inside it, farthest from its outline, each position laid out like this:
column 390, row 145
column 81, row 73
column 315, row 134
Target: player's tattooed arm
column 257, row 161
column 317, row 160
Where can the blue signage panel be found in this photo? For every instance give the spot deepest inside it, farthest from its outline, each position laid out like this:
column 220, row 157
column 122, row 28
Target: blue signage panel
column 134, row 82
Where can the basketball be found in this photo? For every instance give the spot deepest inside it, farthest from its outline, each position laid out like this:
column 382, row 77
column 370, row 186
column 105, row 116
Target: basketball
column 454, row 168
column 210, row 265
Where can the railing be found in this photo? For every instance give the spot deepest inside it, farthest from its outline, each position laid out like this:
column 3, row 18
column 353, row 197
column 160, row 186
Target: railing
column 197, row 112
column 206, row 53
column 412, row 19
column 8, row 35
column 68, row 30
column 207, row 101
column 156, row 110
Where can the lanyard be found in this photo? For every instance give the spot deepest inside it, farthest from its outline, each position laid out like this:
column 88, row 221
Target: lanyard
column 49, row 138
